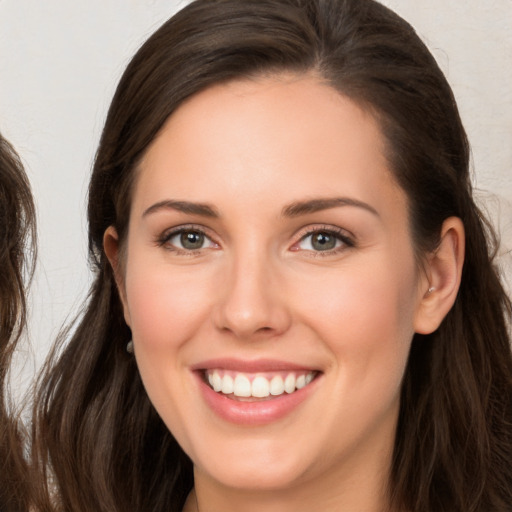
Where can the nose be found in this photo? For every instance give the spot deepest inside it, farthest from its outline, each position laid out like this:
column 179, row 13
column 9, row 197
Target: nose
column 252, row 302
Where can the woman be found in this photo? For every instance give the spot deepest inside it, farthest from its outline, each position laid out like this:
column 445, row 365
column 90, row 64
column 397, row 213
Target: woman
column 295, row 306
column 17, row 231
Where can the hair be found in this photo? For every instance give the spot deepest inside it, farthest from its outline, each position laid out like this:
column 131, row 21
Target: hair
column 17, row 253
column 97, row 434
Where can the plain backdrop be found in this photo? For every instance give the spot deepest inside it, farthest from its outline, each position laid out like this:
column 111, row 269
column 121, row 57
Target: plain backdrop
column 60, row 61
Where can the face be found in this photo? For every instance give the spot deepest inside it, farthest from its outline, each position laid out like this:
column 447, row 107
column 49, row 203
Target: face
column 270, row 284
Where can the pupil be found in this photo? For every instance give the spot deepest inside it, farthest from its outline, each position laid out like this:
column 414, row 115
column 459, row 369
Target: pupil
column 323, row 241
column 192, row 240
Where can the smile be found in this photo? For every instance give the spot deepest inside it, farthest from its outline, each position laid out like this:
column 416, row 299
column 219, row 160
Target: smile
column 240, row 385
column 255, row 393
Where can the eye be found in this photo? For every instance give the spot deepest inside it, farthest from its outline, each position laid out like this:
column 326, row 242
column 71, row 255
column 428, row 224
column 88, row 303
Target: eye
column 187, row 240
column 323, row 240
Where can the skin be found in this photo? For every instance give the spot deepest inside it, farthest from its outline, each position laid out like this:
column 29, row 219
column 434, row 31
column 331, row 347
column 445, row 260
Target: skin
column 258, row 288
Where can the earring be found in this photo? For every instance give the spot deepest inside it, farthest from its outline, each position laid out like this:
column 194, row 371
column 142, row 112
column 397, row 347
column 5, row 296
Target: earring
column 129, row 347
column 431, row 289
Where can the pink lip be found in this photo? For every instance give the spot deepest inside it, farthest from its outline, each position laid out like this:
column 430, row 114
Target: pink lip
column 247, row 366
column 252, row 413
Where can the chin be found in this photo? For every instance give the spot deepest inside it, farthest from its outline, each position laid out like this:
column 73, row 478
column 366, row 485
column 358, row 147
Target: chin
column 261, row 470
column 258, row 478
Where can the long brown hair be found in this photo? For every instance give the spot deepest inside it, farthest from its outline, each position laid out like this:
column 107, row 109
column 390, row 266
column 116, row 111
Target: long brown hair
column 17, row 235
column 96, row 431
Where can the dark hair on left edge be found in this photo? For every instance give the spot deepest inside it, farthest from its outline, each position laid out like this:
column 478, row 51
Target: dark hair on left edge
column 17, row 253
column 96, row 431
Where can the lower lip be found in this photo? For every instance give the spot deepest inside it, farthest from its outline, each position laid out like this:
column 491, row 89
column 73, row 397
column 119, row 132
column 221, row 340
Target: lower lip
column 254, row 413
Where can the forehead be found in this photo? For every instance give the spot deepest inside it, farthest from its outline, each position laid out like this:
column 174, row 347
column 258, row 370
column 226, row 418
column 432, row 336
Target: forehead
column 283, row 136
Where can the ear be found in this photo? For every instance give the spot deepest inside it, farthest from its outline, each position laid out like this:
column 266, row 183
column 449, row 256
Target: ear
column 111, row 248
column 443, row 272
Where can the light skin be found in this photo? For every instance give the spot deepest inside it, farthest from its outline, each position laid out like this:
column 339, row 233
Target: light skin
column 306, row 258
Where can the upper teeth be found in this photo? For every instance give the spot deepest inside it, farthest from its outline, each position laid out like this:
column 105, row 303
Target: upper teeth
column 258, row 386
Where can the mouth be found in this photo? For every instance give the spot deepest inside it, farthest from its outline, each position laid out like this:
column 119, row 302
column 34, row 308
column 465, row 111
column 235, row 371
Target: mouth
column 261, row 386
column 256, row 392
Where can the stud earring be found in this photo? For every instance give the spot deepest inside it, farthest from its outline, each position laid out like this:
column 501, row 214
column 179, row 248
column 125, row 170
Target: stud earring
column 431, row 289
column 129, row 347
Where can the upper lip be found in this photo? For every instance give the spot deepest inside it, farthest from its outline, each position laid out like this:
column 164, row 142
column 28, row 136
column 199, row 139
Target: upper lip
column 250, row 366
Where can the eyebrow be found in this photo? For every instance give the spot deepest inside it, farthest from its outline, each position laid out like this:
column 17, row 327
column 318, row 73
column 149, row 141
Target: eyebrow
column 295, row 209
column 299, row 208
column 202, row 209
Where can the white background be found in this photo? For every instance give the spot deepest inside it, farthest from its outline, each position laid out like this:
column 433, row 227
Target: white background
column 60, row 61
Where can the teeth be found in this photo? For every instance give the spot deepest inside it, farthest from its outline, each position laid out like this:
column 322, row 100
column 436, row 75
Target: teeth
column 217, row 382
column 289, row 383
column 300, row 382
column 260, row 387
column 228, row 385
column 276, row 386
column 240, row 384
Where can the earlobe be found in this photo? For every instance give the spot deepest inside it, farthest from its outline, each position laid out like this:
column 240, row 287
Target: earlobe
column 443, row 271
column 112, row 251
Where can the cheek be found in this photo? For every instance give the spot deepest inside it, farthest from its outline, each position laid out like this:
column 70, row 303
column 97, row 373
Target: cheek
column 367, row 325
column 163, row 304
column 165, row 307
column 376, row 294
column 365, row 315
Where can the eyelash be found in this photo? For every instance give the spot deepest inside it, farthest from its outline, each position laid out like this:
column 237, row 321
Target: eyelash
column 164, row 239
column 347, row 241
column 339, row 234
